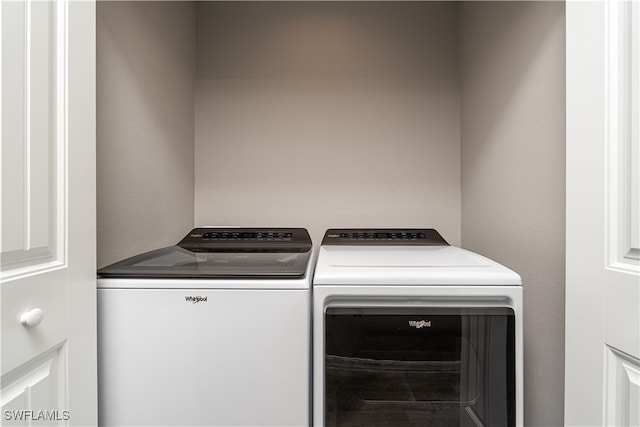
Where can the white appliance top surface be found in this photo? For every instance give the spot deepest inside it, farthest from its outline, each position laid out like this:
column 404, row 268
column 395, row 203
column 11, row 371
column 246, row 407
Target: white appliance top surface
column 408, row 265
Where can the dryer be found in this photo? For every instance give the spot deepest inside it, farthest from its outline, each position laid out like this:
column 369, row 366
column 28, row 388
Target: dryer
column 211, row 332
column 408, row 330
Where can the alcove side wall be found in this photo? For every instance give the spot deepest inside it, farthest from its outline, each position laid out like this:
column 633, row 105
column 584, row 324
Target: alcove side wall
column 145, row 121
column 513, row 172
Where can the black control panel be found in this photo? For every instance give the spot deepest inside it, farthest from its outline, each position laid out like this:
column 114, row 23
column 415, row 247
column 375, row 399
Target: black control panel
column 384, row 237
column 247, row 240
column 246, row 235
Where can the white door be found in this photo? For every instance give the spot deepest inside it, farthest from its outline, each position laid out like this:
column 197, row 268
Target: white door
column 603, row 215
column 48, row 293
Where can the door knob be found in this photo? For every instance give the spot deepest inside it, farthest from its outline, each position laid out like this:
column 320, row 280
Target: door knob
column 32, row 318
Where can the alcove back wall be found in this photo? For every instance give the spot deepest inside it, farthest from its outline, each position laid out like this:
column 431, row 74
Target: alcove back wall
column 328, row 114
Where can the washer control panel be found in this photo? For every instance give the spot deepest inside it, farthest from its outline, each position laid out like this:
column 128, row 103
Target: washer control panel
column 247, row 235
column 383, row 237
column 247, row 240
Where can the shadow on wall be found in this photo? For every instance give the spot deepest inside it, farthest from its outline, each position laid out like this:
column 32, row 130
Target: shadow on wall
column 323, row 40
column 513, row 172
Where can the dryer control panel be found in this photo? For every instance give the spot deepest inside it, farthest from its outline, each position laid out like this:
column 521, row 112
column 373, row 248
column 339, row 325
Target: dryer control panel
column 383, row 237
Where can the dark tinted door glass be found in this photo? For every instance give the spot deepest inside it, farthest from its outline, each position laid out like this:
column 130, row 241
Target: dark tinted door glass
column 424, row 367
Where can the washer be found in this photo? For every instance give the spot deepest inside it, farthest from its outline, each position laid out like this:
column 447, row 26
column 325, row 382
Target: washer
column 408, row 330
column 213, row 331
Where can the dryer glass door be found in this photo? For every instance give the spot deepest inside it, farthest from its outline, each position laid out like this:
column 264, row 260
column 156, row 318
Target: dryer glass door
column 420, row 366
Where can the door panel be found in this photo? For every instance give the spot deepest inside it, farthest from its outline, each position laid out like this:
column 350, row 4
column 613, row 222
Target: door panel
column 34, row 386
column 622, row 191
column 623, row 389
column 48, row 212
column 32, row 190
column 603, row 216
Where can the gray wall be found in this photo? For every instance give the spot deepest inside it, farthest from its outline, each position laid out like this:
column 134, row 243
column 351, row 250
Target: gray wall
column 513, row 172
column 328, row 114
column 145, row 120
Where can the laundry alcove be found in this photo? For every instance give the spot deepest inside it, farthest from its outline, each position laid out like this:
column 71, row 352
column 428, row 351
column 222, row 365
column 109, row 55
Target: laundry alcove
column 344, row 114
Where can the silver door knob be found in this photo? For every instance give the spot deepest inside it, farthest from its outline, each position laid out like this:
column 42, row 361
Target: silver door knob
column 32, row 318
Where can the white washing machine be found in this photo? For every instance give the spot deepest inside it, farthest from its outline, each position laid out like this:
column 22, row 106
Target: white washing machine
column 409, row 331
column 211, row 332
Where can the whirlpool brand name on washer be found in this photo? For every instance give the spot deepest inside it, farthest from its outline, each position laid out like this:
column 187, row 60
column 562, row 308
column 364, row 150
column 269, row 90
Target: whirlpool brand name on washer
column 419, row 324
column 195, row 299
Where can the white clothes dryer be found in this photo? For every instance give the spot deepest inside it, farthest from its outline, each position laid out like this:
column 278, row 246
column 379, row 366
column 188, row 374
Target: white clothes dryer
column 211, row 332
column 408, row 331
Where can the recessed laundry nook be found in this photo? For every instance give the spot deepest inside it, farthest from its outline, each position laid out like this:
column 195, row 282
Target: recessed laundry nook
column 356, row 115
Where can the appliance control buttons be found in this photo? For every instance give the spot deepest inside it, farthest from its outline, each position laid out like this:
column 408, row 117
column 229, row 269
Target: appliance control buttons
column 236, row 235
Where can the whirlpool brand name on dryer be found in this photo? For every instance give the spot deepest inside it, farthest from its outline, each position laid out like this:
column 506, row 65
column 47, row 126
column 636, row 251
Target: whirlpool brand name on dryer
column 195, row 299
column 419, row 324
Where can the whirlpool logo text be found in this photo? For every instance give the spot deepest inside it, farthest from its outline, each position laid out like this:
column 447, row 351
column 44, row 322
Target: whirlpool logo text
column 419, row 324
column 195, row 299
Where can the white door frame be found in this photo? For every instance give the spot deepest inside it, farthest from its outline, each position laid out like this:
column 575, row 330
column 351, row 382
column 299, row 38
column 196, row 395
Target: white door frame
column 82, row 355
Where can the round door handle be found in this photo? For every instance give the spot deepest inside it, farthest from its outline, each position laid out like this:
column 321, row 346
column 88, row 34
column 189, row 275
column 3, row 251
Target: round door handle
column 32, row 318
